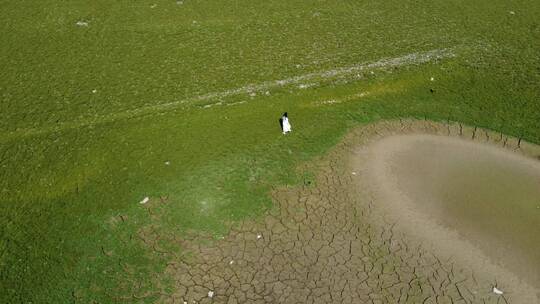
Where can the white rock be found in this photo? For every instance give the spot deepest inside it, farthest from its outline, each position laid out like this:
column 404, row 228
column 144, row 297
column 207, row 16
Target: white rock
column 210, row 294
column 82, row 23
column 259, row 236
column 231, row 262
column 267, row 93
column 497, row 291
column 145, row 200
column 354, row 173
column 167, row 163
column 94, row 91
column 512, row 13
column 432, row 79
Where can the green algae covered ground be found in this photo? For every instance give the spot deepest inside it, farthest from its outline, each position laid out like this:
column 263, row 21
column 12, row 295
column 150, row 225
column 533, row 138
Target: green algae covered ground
column 105, row 103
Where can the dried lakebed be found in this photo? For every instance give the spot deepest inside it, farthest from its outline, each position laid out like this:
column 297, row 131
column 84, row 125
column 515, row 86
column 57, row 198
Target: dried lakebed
column 377, row 226
column 441, row 186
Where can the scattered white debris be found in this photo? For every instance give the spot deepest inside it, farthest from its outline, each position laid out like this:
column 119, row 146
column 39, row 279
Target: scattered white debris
column 210, row 294
column 167, row 163
column 432, row 79
column 512, row 13
column 82, row 23
column 145, row 200
column 94, row 91
column 231, row 262
column 259, row 236
column 331, row 101
column 497, row 291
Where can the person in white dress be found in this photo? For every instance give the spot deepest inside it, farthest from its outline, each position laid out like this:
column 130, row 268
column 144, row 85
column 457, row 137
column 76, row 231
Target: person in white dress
column 285, row 124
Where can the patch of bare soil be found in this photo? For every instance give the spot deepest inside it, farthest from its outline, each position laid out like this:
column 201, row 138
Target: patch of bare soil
column 441, row 187
column 333, row 242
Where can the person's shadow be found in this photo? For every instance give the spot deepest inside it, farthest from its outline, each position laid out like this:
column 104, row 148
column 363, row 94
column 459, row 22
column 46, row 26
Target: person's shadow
column 281, row 123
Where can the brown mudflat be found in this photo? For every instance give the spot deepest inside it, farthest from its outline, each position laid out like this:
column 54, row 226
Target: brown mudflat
column 343, row 240
column 488, row 196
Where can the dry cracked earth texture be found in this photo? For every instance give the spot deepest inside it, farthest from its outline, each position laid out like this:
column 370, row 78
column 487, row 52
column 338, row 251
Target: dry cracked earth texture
column 323, row 243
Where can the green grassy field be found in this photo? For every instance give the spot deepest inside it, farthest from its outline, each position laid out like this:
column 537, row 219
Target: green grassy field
column 180, row 100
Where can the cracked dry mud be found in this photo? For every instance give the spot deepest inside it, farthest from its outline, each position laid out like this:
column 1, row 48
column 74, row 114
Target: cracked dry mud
column 328, row 243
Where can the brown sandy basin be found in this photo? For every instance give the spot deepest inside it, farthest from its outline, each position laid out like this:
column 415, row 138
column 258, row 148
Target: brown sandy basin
column 342, row 239
column 485, row 196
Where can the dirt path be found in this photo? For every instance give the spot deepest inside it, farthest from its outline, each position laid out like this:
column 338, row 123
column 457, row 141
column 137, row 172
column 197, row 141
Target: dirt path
column 331, row 243
column 216, row 98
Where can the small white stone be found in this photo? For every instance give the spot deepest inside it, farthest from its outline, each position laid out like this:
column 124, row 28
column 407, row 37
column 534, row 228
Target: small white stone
column 82, row 23
column 145, row 200
column 231, row 262
column 372, row 73
column 497, row 291
column 432, row 79
column 252, row 94
column 210, row 294
column 167, row 163
column 512, row 13
column 353, row 173
column 179, row 2
column 94, row 91
column 267, row 93
column 259, row 236
column 153, row 5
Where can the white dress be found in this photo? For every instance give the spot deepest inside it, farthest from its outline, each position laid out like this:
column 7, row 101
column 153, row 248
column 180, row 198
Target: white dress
column 286, row 125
